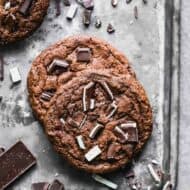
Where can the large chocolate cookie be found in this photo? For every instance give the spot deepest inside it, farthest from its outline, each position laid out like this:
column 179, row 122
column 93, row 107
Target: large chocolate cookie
column 61, row 62
column 99, row 120
column 19, row 18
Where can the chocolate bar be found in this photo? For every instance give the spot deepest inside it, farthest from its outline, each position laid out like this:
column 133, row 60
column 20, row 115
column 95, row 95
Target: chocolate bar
column 15, row 162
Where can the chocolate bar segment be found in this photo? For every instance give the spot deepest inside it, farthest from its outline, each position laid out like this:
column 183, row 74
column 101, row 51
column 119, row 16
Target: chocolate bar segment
column 15, row 162
column 83, row 54
column 56, row 185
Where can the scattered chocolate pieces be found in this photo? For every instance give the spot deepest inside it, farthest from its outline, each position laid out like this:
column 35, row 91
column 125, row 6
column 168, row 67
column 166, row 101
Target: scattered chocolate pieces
column 80, row 142
column 58, row 7
column 83, row 54
column 57, row 64
column 56, row 185
column 154, row 174
column 104, row 181
column 110, row 28
column 24, row 8
column 14, row 163
column 114, row 3
column 114, row 109
column 136, row 12
column 98, row 23
column 40, row 186
column 87, row 17
column 46, row 96
column 107, row 89
column 95, row 130
column 67, row 2
column 72, row 11
column 15, row 75
column 1, row 68
column 88, row 4
column 93, row 153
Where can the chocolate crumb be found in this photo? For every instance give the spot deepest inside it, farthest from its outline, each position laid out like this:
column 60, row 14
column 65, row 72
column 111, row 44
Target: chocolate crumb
column 110, row 28
column 98, row 23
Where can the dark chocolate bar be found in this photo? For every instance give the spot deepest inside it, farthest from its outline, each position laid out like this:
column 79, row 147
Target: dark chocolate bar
column 15, row 162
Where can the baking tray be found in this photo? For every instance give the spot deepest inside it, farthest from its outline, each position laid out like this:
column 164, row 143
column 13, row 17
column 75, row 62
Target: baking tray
column 151, row 43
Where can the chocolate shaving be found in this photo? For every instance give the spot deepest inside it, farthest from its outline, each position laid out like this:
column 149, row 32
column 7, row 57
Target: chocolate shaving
column 1, row 68
column 114, row 3
column 67, row 2
column 107, row 89
column 95, row 130
column 58, row 7
column 57, row 64
column 24, row 8
column 40, row 186
column 87, row 17
column 88, row 4
column 83, row 121
column 136, row 12
column 110, row 28
column 98, row 23
column 114, row 109
column 83, row 54
column 92, row 104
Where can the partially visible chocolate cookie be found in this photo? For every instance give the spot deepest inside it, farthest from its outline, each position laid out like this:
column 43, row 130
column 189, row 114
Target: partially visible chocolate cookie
column 61, row 62
column 20, row 18
column 99, row 120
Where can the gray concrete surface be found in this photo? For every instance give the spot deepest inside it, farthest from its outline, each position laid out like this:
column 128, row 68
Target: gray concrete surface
column 184, row 158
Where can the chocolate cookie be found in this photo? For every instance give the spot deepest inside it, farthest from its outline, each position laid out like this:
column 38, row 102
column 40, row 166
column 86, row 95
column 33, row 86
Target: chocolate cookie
column 61, row 62
column 19, row 18
column 99, row 120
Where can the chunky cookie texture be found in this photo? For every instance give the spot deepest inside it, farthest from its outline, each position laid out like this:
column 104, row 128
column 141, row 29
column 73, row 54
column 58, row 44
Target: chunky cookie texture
column 20, row 18
column 99, row 120
column 63, row 61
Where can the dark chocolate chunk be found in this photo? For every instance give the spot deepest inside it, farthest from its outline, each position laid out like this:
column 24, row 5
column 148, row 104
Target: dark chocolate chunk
column 128, row 1
column 110, row 28
column 24, row 8
column 2, row 150
column 67, row 2
column 136, row 12
column 56, row 185
column 57, row 65
column 58, row 7
column 40, row 186
column 98, row 23
column 47, row 95
column 83, row 54
column 114, row 3
column 87, row 17
column 1, row 68
column 132, row 134
column 14, row 163
column 88, row 4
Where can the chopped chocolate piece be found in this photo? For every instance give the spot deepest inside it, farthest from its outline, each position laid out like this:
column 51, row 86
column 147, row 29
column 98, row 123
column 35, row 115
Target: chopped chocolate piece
column 1, row 68
column 87, row 17
column 110, row 28
column 2, row 150
column 83, row 54
column 80, row 142
column 107, row 89
column 24, row 8
column 96, row 130
column 98, row 23
column 56, row 185
column 7, row 5
column 114, row 3
column 130, row 131
column 67, row 2
column 92, row 104
column 57, row 64
column 121, row 134
column 58, row 7
column 72, row 12
column 114, row 106
column 15, row 75
column 154, row 173
column 145, row 1
column 136, row 12
column 40, row 186
column 105, row 181
column 14, row 163
column 93, row 153
column 128, row 1
column 46, row 96
column 83, row 121
column 88, row 4
column 112, row 150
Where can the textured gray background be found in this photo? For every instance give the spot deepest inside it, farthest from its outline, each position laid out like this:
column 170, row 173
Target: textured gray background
column 184, row 165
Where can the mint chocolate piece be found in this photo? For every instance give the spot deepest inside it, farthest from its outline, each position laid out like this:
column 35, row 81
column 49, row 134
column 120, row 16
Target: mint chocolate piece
column 40, row 186
column 25, row 7
column 14, row 163
column 56, row 185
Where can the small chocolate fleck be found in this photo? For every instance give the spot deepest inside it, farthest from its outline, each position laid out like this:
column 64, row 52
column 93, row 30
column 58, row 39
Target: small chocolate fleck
column 88, row 4
column 87, row 17
column 98, row 23
column 110, row 28
column 24, row 8
column 83, row 54
column 128, row 1
column 1, row 68
column 136, row 12
column 114, row 3
column 40, row 186
column 67, row 2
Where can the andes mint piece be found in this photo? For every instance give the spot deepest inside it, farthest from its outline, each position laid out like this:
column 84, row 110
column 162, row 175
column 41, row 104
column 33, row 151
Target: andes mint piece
column 58, row 7
column 80, row 142
column 1, row 68
column 56, row 185
column 98, row 23
column 88, row 4
column 125, row 126
column 95, row 130
column 14, row 163
column 83, row 54
column 114, row 3
column 15, row 75
column 46, row 96
column 57, row 64
column 136, row 12
column 128, row 1
column 2, row 150
column 121, row 134
column 24, row 8
column 67, row 2
column 110, row 28
column 93, row 153
column 114, row 109
column 87, row 17
column 72, row 11
column 107, row 89
column 40, row 186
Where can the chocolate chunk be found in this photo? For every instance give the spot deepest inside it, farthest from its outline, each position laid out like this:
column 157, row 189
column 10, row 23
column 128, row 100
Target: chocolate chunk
column 114, row 3
column 131, row 133
column 56, row 185
column 107, row 89
column 110, row 28
column 83, row 54
column 128, row 1
column 67, row 2
column 58, row 7
column 72, row 12
column 47, row 95
column 87, row 17
column 88, row 4
column 59, row 65
column 24, row 8
column 121, row 134
column 98, row 23
column 1, row 68
column 40, row 186
column 14, row 163
column 2, row 150
column 136, row 12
